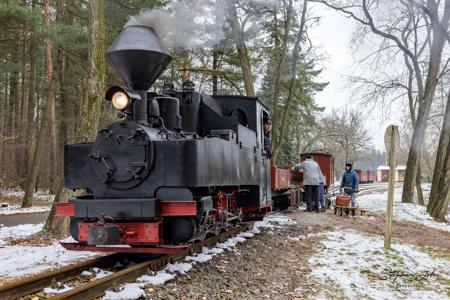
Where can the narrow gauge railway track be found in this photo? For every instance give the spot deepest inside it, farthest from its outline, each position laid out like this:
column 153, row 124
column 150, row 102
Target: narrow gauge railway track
column 364, row 189
column 97, row 288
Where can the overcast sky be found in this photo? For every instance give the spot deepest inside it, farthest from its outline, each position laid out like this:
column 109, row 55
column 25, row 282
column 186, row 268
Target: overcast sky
column 333, row 35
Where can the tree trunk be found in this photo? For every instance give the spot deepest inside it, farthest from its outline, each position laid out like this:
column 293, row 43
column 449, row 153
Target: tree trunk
column 420, row 200
column 416, row 149
column 30, row 101
column 215, row 68
column 13, row 112
column 277, row 77
column 40, row 143
column 241, row 48
column 53, row 156
column 30, row 111
column 186, row 63
column 22, row 122
column 91, row 106
column 440, row 194
column 295, row 59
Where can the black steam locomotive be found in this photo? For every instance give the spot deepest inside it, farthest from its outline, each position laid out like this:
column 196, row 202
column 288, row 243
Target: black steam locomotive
column 174, row 168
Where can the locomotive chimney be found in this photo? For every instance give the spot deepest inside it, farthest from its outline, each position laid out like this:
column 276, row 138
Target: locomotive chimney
column 139, row 57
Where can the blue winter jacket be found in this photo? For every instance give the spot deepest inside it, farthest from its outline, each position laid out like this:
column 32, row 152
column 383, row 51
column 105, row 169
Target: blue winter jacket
column 350, row 180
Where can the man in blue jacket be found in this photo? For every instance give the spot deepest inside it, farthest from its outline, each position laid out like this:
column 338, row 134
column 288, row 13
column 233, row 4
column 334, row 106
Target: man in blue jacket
column 349, row 183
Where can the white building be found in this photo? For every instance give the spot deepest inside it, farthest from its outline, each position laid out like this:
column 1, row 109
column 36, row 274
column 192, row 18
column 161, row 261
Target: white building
column 383, row 173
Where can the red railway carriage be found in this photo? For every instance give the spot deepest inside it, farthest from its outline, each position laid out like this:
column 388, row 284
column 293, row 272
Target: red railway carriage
column 362, row 176
column 372, row 175
column 366, row 176
column 326, row 163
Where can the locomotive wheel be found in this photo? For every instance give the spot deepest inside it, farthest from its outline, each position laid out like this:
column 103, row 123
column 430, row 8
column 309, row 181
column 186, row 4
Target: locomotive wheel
column 179, row 230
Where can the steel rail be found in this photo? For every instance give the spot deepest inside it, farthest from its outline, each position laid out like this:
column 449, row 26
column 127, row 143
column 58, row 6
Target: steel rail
column 97, row 288
column 37, row 283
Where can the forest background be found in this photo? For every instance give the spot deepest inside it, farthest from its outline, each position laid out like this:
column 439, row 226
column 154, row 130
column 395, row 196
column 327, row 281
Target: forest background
column 53, row 73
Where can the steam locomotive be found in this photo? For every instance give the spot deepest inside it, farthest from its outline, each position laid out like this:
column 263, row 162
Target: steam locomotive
column 177, row 166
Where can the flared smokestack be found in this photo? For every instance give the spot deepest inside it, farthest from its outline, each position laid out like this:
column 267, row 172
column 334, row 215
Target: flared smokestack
column 139, row 57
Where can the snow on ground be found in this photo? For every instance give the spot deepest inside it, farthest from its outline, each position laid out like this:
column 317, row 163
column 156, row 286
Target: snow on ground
column 136, row 289
column 41, row 195
column 25, row 260
column 16, row 232
column 359, row 265
column 15, row 209
column 59, row 290
column 377, row 203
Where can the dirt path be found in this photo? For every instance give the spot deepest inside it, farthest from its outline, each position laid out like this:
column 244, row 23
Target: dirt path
column 273, row 264
column 18, row 219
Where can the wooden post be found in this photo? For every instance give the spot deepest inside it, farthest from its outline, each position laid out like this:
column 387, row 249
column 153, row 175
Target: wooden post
column 391, row 140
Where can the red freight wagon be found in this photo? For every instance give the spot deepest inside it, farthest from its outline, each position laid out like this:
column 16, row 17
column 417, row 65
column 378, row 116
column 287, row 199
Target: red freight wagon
column 284, row 193
column 326, row 163
column 372, row 175
column 281, row 178
column 363, row 176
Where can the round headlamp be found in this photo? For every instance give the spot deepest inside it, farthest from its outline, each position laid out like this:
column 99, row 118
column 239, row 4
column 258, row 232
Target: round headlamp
column 120, row 100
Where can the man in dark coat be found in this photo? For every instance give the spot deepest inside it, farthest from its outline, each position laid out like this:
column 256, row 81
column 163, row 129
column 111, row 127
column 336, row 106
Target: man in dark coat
column 268, row 137
column 349, row 183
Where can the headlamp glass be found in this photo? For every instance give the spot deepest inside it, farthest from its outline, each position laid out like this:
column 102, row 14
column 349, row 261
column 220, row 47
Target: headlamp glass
column 120, row 100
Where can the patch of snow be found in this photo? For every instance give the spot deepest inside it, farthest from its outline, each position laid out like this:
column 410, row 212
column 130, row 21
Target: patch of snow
column 68, row 239
column 86, row 273
column 214, row 250
column 129, row 291
column 100, row 273
column 231, row 243
column 377, row 203
column 15, row 209
column 135, row 290
column 362, row 268
column 160, row 278
column 271, row 221
column 59, row 290
column 182, row 268
column 19, row 231
column 41, row 195
column 200, row 257
column 25, row 260
column 246, row 234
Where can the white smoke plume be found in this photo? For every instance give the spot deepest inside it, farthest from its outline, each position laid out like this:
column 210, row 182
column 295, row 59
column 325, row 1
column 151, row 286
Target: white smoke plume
column 191, row 23
column 186, row 24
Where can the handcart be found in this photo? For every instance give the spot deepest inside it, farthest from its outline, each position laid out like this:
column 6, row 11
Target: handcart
column 343, row 204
